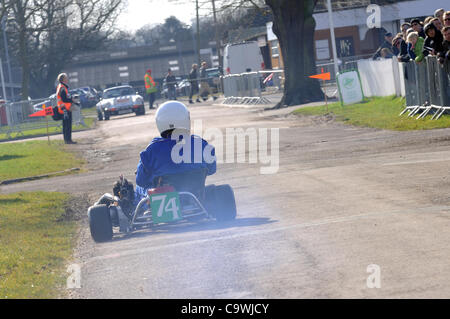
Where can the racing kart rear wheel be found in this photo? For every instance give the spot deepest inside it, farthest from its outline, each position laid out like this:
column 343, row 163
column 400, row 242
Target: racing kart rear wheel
column 100, row 115
column 220, row 202
column 106, row 116
column 100, row 223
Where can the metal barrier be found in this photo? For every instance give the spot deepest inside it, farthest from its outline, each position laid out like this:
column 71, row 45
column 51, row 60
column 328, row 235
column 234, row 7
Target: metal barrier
column 244, row 88
column 15, row 117
column 427, row 88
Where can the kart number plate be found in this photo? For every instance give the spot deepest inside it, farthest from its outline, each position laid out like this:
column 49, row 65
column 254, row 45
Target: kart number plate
column 165, row 207
column 123, row 111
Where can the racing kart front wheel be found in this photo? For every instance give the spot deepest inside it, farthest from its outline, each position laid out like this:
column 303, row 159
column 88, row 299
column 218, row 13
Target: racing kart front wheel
column 100, row 115
column 220, row 202
column 106, row 116
column 100, row 223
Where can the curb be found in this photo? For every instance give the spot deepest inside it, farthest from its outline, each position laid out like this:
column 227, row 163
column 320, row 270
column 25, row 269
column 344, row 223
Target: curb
column 31, row 178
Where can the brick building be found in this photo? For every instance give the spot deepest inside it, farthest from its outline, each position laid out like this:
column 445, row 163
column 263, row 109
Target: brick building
column 353, row 37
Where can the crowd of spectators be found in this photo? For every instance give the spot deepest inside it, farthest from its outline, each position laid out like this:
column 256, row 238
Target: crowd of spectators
column 419, row 39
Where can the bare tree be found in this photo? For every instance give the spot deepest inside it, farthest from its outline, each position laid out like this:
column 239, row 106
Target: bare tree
column 294, row 26
column 26, row 13
column 148, row 34
column 47, row 34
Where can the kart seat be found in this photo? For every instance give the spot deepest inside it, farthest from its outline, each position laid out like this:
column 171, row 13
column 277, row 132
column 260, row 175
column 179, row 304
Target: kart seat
column 190, row 181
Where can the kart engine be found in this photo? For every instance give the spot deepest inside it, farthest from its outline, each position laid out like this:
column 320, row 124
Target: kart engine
column 125, row 191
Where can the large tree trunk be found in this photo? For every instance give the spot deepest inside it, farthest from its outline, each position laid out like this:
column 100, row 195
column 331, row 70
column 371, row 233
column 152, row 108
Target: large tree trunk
column 294, row 26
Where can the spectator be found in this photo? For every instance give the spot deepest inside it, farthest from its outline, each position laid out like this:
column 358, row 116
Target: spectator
column 447, row 19
column 387, row 44
column 417, row 26
column 402, row 48
column 194, row 83
column 205, row 90
column 385, row 53
column 171, row 83
column 445, row 54
column 150, row 88
column 427, row 20
column 405, row 26
column 396, row 48
column 64, row 103
column 433, row 41
column 439, row 13
column 437, row 23
column 415, row 46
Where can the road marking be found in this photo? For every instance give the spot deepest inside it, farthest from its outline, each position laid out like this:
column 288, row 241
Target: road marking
column 416, row 162
column 326, row 221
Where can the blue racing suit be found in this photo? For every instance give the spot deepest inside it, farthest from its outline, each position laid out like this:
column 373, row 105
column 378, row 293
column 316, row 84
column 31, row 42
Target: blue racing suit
column 156, row 160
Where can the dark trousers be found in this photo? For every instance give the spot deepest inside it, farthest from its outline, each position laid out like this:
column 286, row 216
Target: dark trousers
column 151, row 99
column 172, row 93
column 67, row 128
column 194, row 90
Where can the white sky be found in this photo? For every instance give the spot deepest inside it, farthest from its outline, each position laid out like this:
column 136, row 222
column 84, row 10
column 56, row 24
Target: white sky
column 138, row 13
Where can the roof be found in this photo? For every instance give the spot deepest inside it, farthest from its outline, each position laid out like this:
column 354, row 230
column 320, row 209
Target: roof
column 118, row 87
column 350, row 4
column 241, row 34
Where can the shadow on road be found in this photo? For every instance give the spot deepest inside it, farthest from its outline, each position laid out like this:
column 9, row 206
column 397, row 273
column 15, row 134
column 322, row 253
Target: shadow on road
column 191, row 226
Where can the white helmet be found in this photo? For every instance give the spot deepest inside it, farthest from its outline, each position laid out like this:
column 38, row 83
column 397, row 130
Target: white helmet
column 173, row 115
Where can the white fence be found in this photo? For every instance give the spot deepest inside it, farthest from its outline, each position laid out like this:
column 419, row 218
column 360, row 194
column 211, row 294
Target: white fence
column 244, row 88
column 426, row 86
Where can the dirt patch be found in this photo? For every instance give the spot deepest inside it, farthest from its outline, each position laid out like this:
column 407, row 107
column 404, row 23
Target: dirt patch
column 441, row 139
column 75, row 209
column 326, row 118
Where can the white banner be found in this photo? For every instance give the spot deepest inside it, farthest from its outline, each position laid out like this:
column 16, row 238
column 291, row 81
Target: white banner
column 381, row 77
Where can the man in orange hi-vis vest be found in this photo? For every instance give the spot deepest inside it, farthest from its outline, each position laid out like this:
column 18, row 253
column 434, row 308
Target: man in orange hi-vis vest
column 64, row 103
column 150, row 87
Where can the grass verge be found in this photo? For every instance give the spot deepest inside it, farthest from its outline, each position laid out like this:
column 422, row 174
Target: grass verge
column 53, row 130
column 377, row 112
column 33, row 158
column 36, row 240
column 89, row 112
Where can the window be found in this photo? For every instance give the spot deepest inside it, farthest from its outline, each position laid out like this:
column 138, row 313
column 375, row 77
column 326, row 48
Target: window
column 274, row 48
column 322, row 49
column 345, row 47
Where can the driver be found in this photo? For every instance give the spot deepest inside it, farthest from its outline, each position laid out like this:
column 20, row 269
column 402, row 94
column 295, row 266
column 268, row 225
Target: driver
column 162, row 155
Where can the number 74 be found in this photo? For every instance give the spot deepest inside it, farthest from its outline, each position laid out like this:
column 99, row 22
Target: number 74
column 170, row 206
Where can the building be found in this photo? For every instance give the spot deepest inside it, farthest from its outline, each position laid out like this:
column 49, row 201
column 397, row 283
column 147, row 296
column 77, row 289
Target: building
column 127, row 66
column 354, row 39
column 258, row 34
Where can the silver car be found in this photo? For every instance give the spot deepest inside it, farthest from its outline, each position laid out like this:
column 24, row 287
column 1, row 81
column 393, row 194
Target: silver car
column 120, row 100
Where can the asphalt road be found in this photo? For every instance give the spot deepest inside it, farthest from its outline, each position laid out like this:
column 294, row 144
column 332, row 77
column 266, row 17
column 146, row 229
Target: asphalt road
column 342, row 199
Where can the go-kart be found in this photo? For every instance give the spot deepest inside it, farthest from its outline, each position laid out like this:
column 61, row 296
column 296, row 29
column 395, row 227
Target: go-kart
column 175, row 198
